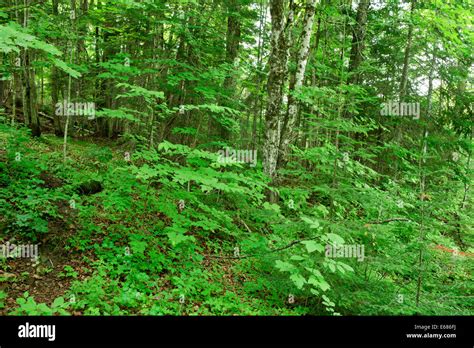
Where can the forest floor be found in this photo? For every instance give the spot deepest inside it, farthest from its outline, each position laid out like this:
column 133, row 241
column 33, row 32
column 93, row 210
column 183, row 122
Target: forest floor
column 67, row 256
column 103, row 250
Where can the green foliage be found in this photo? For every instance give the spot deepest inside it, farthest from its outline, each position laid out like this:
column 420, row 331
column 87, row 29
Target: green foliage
column 136, row 214
column 13, row 37
column 28, row 306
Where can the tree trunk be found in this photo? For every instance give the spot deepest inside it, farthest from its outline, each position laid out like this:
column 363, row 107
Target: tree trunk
column 406, row 60
column 30, row 107
column 288, row 130
column 358, row 36
column 276, row 79
column 421, row 166
column 259, row 98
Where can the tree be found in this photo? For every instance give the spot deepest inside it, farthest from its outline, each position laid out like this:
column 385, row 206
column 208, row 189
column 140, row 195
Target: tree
column 288, row 131
column 281, row 25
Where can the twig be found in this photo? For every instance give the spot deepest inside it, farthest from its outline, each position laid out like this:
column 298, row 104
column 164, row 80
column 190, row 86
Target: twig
column 389, row 220
column 255, row 255
column 248, row 229
column 293, row 242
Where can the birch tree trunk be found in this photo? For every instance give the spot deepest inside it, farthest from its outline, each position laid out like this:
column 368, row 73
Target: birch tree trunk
column 288, row 131
column 276, row 79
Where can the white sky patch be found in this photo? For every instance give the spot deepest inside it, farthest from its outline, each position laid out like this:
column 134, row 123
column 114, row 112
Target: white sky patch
column 422, row 85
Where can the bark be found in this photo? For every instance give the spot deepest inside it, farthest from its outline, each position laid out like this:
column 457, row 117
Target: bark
column 358, row 37
column 288, row 130
column 29, row 101
column 276, row 78
column 232, row 39
column 232, row 49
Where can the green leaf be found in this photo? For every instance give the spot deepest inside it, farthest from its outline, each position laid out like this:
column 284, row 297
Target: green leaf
column 311, row 246
column 298, row 279
column 58, row 302
column 297, row 258
column 312, row 223
column 284, row 266
column 318, row 282
column 323, row 285
column 335, row 238
column 332, row 267
column 66, row 68
column 138, row 247
column 346, row 267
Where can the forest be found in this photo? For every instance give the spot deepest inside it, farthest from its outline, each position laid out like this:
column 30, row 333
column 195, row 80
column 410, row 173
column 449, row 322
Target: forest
column 236, row 157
